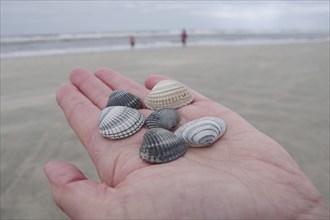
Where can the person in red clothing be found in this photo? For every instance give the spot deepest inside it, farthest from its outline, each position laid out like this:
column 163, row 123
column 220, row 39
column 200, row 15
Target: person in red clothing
column 132, row 41
column 184, row 37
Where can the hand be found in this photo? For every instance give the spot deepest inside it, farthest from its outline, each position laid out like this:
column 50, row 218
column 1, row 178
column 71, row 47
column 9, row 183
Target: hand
column 245, row 174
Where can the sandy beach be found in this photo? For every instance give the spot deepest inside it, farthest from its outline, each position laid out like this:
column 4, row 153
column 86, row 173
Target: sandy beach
column 282, row 89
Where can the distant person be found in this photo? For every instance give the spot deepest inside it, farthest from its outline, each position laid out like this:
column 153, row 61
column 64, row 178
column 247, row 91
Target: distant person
column 184, row 37
column 132, row 41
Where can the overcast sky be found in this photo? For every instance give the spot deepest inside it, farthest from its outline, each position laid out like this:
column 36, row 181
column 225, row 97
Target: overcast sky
column 44, row 17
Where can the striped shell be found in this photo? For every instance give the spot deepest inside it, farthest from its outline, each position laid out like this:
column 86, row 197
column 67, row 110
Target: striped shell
column 124, row 98
column 202, row 132
column 168, row 94
column 119, row 122
column 161, row 146
column 166, row 118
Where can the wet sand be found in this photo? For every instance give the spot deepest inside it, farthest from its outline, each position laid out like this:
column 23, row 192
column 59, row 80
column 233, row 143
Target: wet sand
column 283, row 90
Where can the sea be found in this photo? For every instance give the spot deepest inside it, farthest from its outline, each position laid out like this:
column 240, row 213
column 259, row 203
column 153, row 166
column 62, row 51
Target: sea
column 71, row 43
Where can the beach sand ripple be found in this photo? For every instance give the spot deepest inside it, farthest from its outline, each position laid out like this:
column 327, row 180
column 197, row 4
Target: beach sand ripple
column 283, row 90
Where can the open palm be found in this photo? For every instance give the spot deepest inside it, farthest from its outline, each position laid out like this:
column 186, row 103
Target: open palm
column 245, row 174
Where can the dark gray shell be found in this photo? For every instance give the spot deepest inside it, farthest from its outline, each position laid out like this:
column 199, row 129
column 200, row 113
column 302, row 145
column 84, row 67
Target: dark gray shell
column 124, row 98
column 166, row 118
column 161, row 146
column 202, row 132
column 119, row 122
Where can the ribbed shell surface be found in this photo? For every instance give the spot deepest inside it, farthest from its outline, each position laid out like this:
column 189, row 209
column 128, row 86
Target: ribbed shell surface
column 119, row 122
column 202, row 132
column 166, row 118
column 161, row 146
column 124, row 98
column 168, row 94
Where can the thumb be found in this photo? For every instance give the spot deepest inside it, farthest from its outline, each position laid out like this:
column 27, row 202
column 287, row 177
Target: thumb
column 75, row 195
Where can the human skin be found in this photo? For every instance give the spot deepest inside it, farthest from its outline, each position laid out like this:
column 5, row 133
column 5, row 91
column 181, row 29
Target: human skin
column 243, row 175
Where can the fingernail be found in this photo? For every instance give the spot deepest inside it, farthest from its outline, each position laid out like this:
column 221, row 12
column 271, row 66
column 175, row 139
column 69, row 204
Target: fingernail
column 49, row 170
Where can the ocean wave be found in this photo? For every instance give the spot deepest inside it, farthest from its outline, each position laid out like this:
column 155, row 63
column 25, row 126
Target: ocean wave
column 155, row 33
column 155, row 45
column 86, row 36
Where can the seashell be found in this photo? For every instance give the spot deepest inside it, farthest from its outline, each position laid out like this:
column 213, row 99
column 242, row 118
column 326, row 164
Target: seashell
column 161, row 146
column 119, row 122
column 168, row 94
column 202, row 132
column 124, row 98
column 166, row 118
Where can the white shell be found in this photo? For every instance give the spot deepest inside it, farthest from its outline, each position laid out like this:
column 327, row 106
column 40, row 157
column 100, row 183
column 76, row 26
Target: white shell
column 168, row 94
column 202, row 132
column 119, row 122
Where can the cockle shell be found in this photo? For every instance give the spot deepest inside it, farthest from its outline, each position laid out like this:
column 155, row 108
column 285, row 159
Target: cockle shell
column 161, row 146
column 168, row 94
column 119, row 122
column 166, row 118
column 124, row 98
column 202, row 132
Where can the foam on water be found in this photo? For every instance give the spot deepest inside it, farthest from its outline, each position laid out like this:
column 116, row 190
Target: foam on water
column 40, row 45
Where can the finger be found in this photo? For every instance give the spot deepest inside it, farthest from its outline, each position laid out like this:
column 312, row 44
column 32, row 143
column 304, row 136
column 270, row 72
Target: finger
column 152, row 80
column 93, row 88
column 82, row 116
column 72, row 192
column 116, row 81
